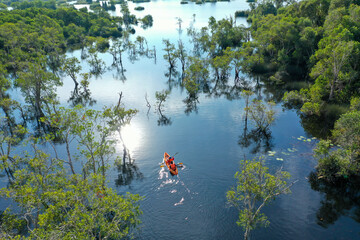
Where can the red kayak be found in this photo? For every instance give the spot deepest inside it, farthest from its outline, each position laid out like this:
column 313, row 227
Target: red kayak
column 166, row 158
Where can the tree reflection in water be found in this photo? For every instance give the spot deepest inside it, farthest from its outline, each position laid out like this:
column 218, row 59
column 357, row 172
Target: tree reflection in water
column 163, row 120
column 119, row 73
column 191, row 104
column 127, row 173
column 258, row 139
column 173, row 78
column 341, row 198
column 161, row 98
column 81, row 95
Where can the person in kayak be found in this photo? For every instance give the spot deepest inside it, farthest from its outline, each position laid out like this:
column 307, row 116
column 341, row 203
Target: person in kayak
column 171, row 159
column 173, row 166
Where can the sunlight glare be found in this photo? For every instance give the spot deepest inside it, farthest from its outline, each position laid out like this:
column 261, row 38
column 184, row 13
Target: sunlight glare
column 131, row 135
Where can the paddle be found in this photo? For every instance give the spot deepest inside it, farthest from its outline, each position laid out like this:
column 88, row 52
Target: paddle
column 178, row 165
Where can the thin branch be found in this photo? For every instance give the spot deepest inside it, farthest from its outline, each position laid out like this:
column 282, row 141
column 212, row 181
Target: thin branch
column 119, row 102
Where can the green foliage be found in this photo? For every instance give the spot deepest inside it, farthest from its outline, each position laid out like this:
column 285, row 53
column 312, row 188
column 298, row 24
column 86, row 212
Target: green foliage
column 255, row 188
column 328, row 45
column 218, row 36
column 263, row 115
column 281, row 39
column 293, row 99
column 50, row 4
column 3, row 6
column 161, row 98
column 333, row 164
column 355, row 104
column 128, row 18
column 197, row 70
column 147, row 21
column 139, row 8
column 29, row 34
column 347, row 131
column 242, row 13
column 11, row 225
column 315, row 10
column 170, row 53
column 62, row 205
column 90, row 213
column 72, row 68
column 96, row 63
column 343, row 162
column 102, row 44
column 38, row 87
column 334, row 61
column 311, row 108
column 221, row 66
column 140, row 1
column 191, row 86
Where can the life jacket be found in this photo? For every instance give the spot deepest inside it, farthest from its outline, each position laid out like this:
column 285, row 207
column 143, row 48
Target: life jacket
column 170, row 159
column 173, row 166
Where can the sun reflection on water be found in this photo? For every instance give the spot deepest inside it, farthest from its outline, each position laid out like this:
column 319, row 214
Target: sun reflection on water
column 132, row 136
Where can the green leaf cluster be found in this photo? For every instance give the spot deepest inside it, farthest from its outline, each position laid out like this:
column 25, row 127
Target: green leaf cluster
column 263, row 115
column 255, row 188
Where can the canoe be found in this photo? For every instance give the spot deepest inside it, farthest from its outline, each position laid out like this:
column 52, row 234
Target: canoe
column 166, row 157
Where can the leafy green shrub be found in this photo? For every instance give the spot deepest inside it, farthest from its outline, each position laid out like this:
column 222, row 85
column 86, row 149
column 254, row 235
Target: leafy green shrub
column 139, row 8
column 262, row 114
column 311, row 108
column 293, row 99
column 255, row 188
column 334, row 164
column 242, row 13
column 355, row 104
column 347, row 131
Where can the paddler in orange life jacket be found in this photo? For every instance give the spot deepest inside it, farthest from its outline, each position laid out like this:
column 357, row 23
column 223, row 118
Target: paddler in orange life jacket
column 171, row 163
column 171, row 159
column 173, row 166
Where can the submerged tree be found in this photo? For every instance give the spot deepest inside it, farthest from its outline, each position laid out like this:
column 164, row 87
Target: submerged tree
column 38, row 87
column 182, row 55
column 171, row 54
column 261, row 114
column 255, row 188
column 82, row 95
column 161, row 97
column 96, row 63
column 72, row 68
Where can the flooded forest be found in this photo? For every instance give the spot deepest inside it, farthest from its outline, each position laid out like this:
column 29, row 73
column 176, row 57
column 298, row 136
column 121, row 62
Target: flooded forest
column 256, row 101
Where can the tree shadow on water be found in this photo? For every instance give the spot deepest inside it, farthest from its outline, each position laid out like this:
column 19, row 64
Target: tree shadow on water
column 341, row 198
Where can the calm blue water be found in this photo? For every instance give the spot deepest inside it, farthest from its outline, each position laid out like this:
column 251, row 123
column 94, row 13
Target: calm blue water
column 193, row 204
